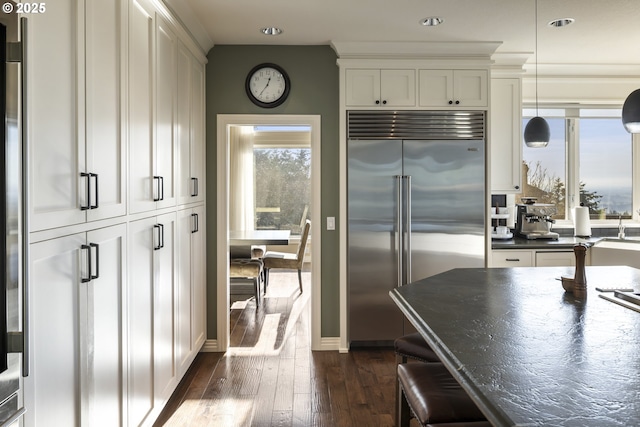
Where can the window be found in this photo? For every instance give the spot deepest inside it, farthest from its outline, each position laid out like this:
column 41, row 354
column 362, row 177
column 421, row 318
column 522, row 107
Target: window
column 588, row 161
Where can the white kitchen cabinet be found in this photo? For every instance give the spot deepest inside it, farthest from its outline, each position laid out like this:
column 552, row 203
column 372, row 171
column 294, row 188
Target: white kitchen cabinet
column 151, row 330
column 152, row 104
column 75, row 132
column 532, row 258
column 384, row 88
column 453, row 88
column 190, row 132
column 76, row 334
column 190, row 295
column 506, row 135
column 555, row 258
column 512, row 258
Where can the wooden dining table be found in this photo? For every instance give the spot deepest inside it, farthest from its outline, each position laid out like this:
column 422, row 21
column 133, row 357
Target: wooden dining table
column 527, row 352
column 240, row 241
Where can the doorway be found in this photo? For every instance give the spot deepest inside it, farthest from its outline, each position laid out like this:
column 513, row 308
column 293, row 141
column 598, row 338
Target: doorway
column 226, row 124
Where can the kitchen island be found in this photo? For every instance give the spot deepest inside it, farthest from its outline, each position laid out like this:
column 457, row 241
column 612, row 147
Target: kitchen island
column 528, row 353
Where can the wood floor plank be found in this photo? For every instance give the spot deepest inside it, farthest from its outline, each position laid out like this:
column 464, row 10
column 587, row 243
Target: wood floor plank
column 270, row 377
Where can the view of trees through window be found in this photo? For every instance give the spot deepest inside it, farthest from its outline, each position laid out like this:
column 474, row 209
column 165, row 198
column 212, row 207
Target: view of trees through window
column 603, row 180
column 282, row 186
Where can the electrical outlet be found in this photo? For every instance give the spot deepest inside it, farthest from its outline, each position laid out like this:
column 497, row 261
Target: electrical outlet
column 331, row 223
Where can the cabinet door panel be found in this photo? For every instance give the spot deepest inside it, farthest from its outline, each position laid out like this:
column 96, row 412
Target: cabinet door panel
column 506, row 139
column 398, row 88
column 198, row 281
column 139, row 317
column 183, row 293
column 470, row 88
column 141, row 164
column 197, row 130
column 183, row 117
column 164, row 302
column 105, row 145
column 362, row 88
column 436, row 88
column 165, row 138
column 104, row 343
column 56, row 158
column 555, row 259
column 52, row 389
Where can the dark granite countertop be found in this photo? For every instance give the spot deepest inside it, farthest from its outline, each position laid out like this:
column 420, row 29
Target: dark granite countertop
column 528, row 353
column 561, row 243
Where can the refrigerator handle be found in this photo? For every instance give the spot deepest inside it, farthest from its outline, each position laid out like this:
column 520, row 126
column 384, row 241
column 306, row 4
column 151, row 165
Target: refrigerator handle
column 407, row 189
column 26, row 327
column 399, row 230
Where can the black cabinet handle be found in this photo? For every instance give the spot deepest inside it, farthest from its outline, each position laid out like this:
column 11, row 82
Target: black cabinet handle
column 88, row 191
column 450, row 102
column 457, row 102
column 377, row 102
column 94, row 175
column 159, row 188
column 196, row 225
column 88, row 249
column 159, row 246
column 384, row 102
column 512, row 259
column 194, row 188
column 97, row 248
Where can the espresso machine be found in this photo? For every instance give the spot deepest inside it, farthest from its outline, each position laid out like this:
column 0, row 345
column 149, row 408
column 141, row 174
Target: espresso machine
column 533, row 221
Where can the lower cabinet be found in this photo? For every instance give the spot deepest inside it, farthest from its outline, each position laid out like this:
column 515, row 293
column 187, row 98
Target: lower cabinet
column 190, row 296
column 532, row 258
column 76, row 334
column 150, row 326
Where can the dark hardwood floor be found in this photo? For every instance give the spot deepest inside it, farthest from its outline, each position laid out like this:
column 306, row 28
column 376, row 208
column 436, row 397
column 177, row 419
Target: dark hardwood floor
column 270, row 376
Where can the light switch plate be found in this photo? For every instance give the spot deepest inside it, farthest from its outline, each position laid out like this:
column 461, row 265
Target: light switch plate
column 331, row 223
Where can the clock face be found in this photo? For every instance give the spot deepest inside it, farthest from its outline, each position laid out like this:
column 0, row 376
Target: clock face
column 267, row 85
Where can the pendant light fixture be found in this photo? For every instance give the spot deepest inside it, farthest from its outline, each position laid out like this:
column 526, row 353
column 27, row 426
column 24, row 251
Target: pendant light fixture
column 631, row 112
column 536, row 132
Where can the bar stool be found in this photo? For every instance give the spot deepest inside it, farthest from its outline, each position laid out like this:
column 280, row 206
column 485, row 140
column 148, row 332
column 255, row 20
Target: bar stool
column 242, row 268
column 434, row 397
column 413, row 346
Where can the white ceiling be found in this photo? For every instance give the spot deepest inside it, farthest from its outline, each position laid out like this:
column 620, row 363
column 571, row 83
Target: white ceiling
column 605, row 32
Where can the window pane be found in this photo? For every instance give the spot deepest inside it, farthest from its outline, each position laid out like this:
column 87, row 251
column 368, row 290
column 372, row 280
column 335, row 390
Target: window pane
column 605, row 168
column 544, row 169
column 283, row 187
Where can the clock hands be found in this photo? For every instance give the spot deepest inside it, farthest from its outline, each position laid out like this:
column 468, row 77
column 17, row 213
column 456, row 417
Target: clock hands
column 267, row 85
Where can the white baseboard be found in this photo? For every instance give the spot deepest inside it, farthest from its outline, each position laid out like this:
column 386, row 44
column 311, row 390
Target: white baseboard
column 210, row 346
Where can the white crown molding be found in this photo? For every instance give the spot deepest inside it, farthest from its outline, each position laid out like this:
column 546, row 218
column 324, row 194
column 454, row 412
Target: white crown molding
column 583, row 70
column 414, row 50
column 190, row 22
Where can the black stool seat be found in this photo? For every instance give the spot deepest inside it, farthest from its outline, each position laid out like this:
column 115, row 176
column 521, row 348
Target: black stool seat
column 415, row 347
column 434, row 397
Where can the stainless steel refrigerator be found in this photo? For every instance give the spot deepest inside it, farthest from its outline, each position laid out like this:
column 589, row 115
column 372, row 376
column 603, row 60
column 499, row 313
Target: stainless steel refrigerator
column 416, row 207
column 12, row 364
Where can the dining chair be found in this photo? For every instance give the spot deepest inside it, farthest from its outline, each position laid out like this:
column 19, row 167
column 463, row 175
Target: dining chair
column 284, row 260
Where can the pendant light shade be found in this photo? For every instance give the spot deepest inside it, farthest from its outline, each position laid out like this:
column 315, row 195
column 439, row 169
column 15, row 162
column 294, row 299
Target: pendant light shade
column 537, row 133
column 631, row 112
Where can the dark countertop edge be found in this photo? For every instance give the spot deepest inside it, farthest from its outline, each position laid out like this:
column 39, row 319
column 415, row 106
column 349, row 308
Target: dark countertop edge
column 561, row 243
column 494, row 414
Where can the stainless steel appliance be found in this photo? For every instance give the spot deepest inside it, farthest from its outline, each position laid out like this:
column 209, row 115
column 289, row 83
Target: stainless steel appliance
column 534, row 221
column 416, row 207
column 11, row 341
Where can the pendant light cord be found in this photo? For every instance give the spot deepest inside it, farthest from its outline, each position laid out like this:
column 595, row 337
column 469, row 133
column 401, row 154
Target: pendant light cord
column 536, row 34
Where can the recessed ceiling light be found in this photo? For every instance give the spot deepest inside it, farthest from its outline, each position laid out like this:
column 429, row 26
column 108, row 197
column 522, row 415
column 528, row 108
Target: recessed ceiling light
column 561, row 22
column 431, row 21
column 271, row 31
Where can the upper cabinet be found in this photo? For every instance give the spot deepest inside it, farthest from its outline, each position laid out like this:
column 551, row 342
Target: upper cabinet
column 384, row 88
column 505, row 135
column 190, row 128
column 76, row 152
column 453, row 88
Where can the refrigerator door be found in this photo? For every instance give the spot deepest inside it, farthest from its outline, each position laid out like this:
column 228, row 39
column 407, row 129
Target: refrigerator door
column 447, row 205
column 374, row 168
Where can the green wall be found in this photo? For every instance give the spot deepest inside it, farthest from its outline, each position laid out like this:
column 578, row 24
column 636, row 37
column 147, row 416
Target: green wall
column 314, row 90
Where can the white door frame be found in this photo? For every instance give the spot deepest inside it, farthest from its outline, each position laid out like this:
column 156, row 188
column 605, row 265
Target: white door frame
column 224, row 121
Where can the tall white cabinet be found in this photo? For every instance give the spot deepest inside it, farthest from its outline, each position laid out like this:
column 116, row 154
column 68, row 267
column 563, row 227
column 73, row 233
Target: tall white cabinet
column 116, row 211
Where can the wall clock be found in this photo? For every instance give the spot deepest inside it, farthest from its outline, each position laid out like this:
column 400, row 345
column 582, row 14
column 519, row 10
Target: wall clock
column 267, row 85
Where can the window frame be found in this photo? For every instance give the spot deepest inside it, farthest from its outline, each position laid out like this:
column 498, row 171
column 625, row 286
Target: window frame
column 572, row 166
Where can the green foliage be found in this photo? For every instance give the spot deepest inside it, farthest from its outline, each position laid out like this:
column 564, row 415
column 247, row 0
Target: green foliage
column 283, row 181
